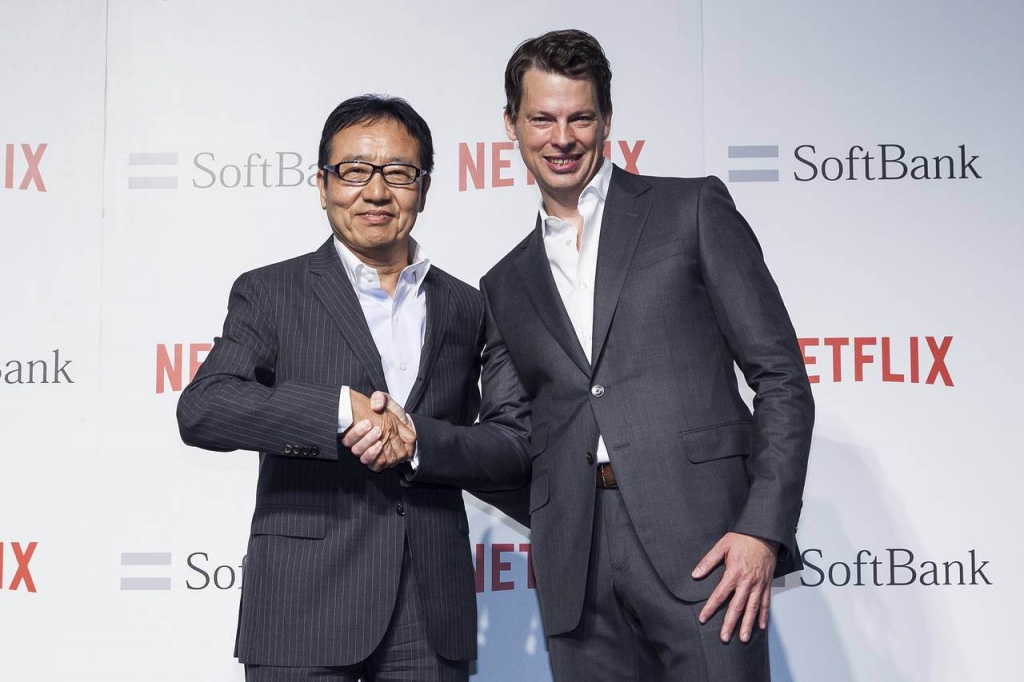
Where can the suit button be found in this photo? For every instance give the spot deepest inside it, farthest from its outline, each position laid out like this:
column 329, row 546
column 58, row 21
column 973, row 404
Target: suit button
column 314, row 451
column 400, row 508
column 287, row 449
column 597, row 390
column 590, row 457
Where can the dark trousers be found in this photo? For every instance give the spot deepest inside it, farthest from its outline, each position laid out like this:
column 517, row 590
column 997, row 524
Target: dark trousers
column 634, row 630
column 403, row 655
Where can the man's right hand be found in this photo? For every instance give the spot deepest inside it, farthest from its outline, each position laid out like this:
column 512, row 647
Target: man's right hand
column 381, row 435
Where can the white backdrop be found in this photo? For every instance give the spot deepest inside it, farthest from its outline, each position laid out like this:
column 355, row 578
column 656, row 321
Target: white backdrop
column 150, row 151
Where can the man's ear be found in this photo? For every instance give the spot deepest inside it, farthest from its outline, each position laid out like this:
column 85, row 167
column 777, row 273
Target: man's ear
column 321, row 184
column 510, row 128
column 424, row 186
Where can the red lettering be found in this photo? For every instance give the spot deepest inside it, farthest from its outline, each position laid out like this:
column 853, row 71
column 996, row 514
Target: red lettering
column 528, row 549
column 22, row 574
column 9, row 166
column 498, row 567
column 498, row 163
column 915, row 364
column 470, row 166
column 168, row 369
column 939, row 360
column 630, row 156
column 836, row 344
column 860, row 358
column 32, row 174
column 809, row 360
column 194, row 349
column 887, row 374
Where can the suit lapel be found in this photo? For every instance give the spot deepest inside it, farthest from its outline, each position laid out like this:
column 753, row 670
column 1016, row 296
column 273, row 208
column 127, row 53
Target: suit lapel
column 332, row 286
column 437, row 323
column 540, row 288
column 625, row 213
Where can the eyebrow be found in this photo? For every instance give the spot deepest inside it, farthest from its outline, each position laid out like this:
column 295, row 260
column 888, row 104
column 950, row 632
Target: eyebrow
column 393, row 159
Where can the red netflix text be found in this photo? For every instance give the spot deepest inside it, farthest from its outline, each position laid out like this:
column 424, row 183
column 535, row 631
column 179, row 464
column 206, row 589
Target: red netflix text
column 912, row 360
column 476, row 159
column 22, row 577
column 171, row 366
column 500, row 557
column 21, row 166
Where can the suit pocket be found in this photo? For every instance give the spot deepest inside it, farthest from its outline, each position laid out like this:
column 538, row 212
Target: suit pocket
column 716, row 442
column 650, row 256
column 293, row 522
column 539, row 491
column 538, row 439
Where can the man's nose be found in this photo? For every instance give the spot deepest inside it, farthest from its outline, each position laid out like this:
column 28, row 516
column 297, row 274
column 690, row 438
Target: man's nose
column 563, row 136
column 376, row 189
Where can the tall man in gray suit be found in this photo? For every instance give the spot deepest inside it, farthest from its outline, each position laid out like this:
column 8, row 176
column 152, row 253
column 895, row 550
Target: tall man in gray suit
column 660, row 507
column 352, row 573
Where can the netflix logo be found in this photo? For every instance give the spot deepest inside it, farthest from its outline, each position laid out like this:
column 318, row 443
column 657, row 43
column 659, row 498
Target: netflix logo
column 21, row 166
column 177, row 364
column 21, row 576
column 911, row 360
column 503, row 566
column 484, row 165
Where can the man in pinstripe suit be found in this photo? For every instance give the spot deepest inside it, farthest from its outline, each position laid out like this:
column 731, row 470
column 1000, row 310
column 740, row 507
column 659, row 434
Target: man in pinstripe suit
column 352, row 572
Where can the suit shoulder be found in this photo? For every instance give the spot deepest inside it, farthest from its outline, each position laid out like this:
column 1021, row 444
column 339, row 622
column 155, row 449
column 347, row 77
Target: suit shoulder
column 506, row 264
column 281, row 268
column 684, row 185
column 457, row 286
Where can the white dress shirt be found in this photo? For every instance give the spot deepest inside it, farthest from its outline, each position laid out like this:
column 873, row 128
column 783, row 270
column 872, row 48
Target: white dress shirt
column 574, row 269
column 398, row 324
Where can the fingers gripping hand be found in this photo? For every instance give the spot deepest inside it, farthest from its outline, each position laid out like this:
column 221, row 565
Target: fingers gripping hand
column 749, row 565
column 390, row 442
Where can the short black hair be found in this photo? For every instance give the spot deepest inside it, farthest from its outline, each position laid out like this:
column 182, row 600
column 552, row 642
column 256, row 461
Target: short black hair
column 368, row 109
column 571, row 53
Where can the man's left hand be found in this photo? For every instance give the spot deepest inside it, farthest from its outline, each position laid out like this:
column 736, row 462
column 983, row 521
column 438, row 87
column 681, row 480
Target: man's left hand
column 749, row 565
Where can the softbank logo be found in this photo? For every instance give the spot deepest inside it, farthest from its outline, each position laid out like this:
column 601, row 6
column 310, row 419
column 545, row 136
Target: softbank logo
column 753, row 151
column 21, row 167
column 159, row 581
column 887, row 161
column 163, row 170
column 160, row 163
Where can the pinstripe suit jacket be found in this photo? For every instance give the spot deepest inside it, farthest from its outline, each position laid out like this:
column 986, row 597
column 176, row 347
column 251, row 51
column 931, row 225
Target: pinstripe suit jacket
column 327, row 537
column 682, row 296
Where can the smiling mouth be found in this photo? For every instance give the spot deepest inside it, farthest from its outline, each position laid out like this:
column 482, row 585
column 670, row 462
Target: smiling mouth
column 377, row 217
column 564, row 164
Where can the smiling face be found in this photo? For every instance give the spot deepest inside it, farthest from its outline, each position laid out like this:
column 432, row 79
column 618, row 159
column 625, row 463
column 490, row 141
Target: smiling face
column 561, row 135
column 373, row 220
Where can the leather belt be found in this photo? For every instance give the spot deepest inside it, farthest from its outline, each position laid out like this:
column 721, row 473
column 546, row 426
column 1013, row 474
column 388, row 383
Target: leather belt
column 606, row 477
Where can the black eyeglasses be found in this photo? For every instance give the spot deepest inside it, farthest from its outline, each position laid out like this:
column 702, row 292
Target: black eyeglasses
column 359, row 173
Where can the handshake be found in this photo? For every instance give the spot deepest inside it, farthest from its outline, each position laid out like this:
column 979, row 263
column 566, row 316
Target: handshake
column 382, row 435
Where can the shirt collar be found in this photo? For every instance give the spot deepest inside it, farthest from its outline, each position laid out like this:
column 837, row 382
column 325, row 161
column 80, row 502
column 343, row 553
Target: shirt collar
column 362, row 276
column 597, row 187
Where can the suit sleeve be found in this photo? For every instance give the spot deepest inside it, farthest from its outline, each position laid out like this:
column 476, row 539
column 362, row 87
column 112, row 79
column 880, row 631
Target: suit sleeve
column 234, row 402
column 760, row 335
column 492, row 454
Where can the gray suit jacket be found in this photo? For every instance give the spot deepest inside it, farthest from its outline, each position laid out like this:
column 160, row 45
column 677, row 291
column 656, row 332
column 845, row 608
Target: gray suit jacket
column 327, row 538
column 682, row 293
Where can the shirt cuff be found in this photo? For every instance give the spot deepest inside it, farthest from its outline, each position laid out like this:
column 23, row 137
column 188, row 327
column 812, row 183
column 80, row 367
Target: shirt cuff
column 415, row 461
column 345, row 418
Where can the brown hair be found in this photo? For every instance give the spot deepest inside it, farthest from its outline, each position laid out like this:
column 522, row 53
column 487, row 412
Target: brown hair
column 571, row 53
